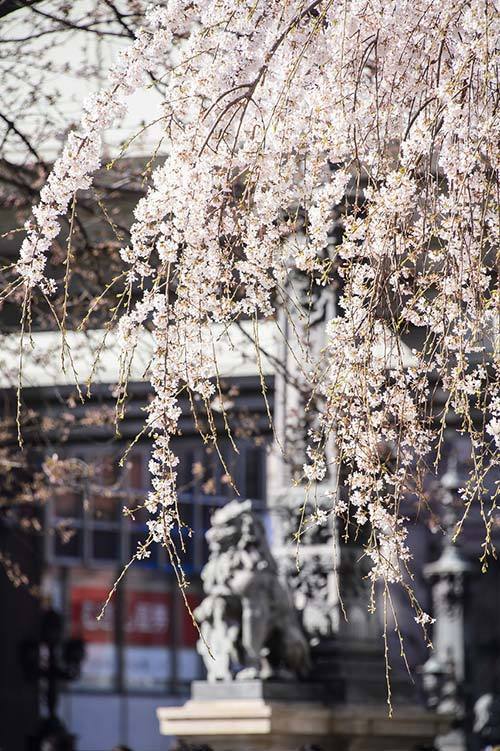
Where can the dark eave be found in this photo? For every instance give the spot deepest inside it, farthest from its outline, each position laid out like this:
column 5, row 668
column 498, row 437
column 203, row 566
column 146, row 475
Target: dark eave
column 9, row 6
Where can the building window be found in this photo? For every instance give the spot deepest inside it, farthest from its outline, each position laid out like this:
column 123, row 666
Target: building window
column 85, row 524
column 146, row 639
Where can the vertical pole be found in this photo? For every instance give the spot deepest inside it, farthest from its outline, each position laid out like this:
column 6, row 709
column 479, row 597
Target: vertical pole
column 447, row 576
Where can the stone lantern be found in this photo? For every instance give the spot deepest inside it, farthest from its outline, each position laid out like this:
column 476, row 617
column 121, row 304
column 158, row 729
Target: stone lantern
column 443, row 674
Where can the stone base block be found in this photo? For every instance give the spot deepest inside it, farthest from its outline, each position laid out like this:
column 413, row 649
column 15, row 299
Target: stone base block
column 246, row 724
column 369, row 728
column 258, row 724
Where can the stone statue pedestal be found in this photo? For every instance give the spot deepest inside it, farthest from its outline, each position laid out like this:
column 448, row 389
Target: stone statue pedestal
column 271, row 716
column 269, row 690
column 353, row 672
column 246, row 724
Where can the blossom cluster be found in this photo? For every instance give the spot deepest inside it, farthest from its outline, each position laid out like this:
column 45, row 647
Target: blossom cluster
column 276, row 115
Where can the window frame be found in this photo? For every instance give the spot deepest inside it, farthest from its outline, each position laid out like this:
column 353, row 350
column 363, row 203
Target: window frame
column 125, row 527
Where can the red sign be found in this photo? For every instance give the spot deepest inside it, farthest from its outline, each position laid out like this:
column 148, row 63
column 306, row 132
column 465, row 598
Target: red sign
column 147, row 621
column 86, row 604
column 147, row 618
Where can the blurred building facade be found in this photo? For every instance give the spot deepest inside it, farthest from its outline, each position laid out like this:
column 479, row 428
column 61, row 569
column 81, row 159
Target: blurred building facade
column 74, row 545
column 142, row 653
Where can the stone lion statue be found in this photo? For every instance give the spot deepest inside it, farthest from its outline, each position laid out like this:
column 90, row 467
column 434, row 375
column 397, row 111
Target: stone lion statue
column 248, row 624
